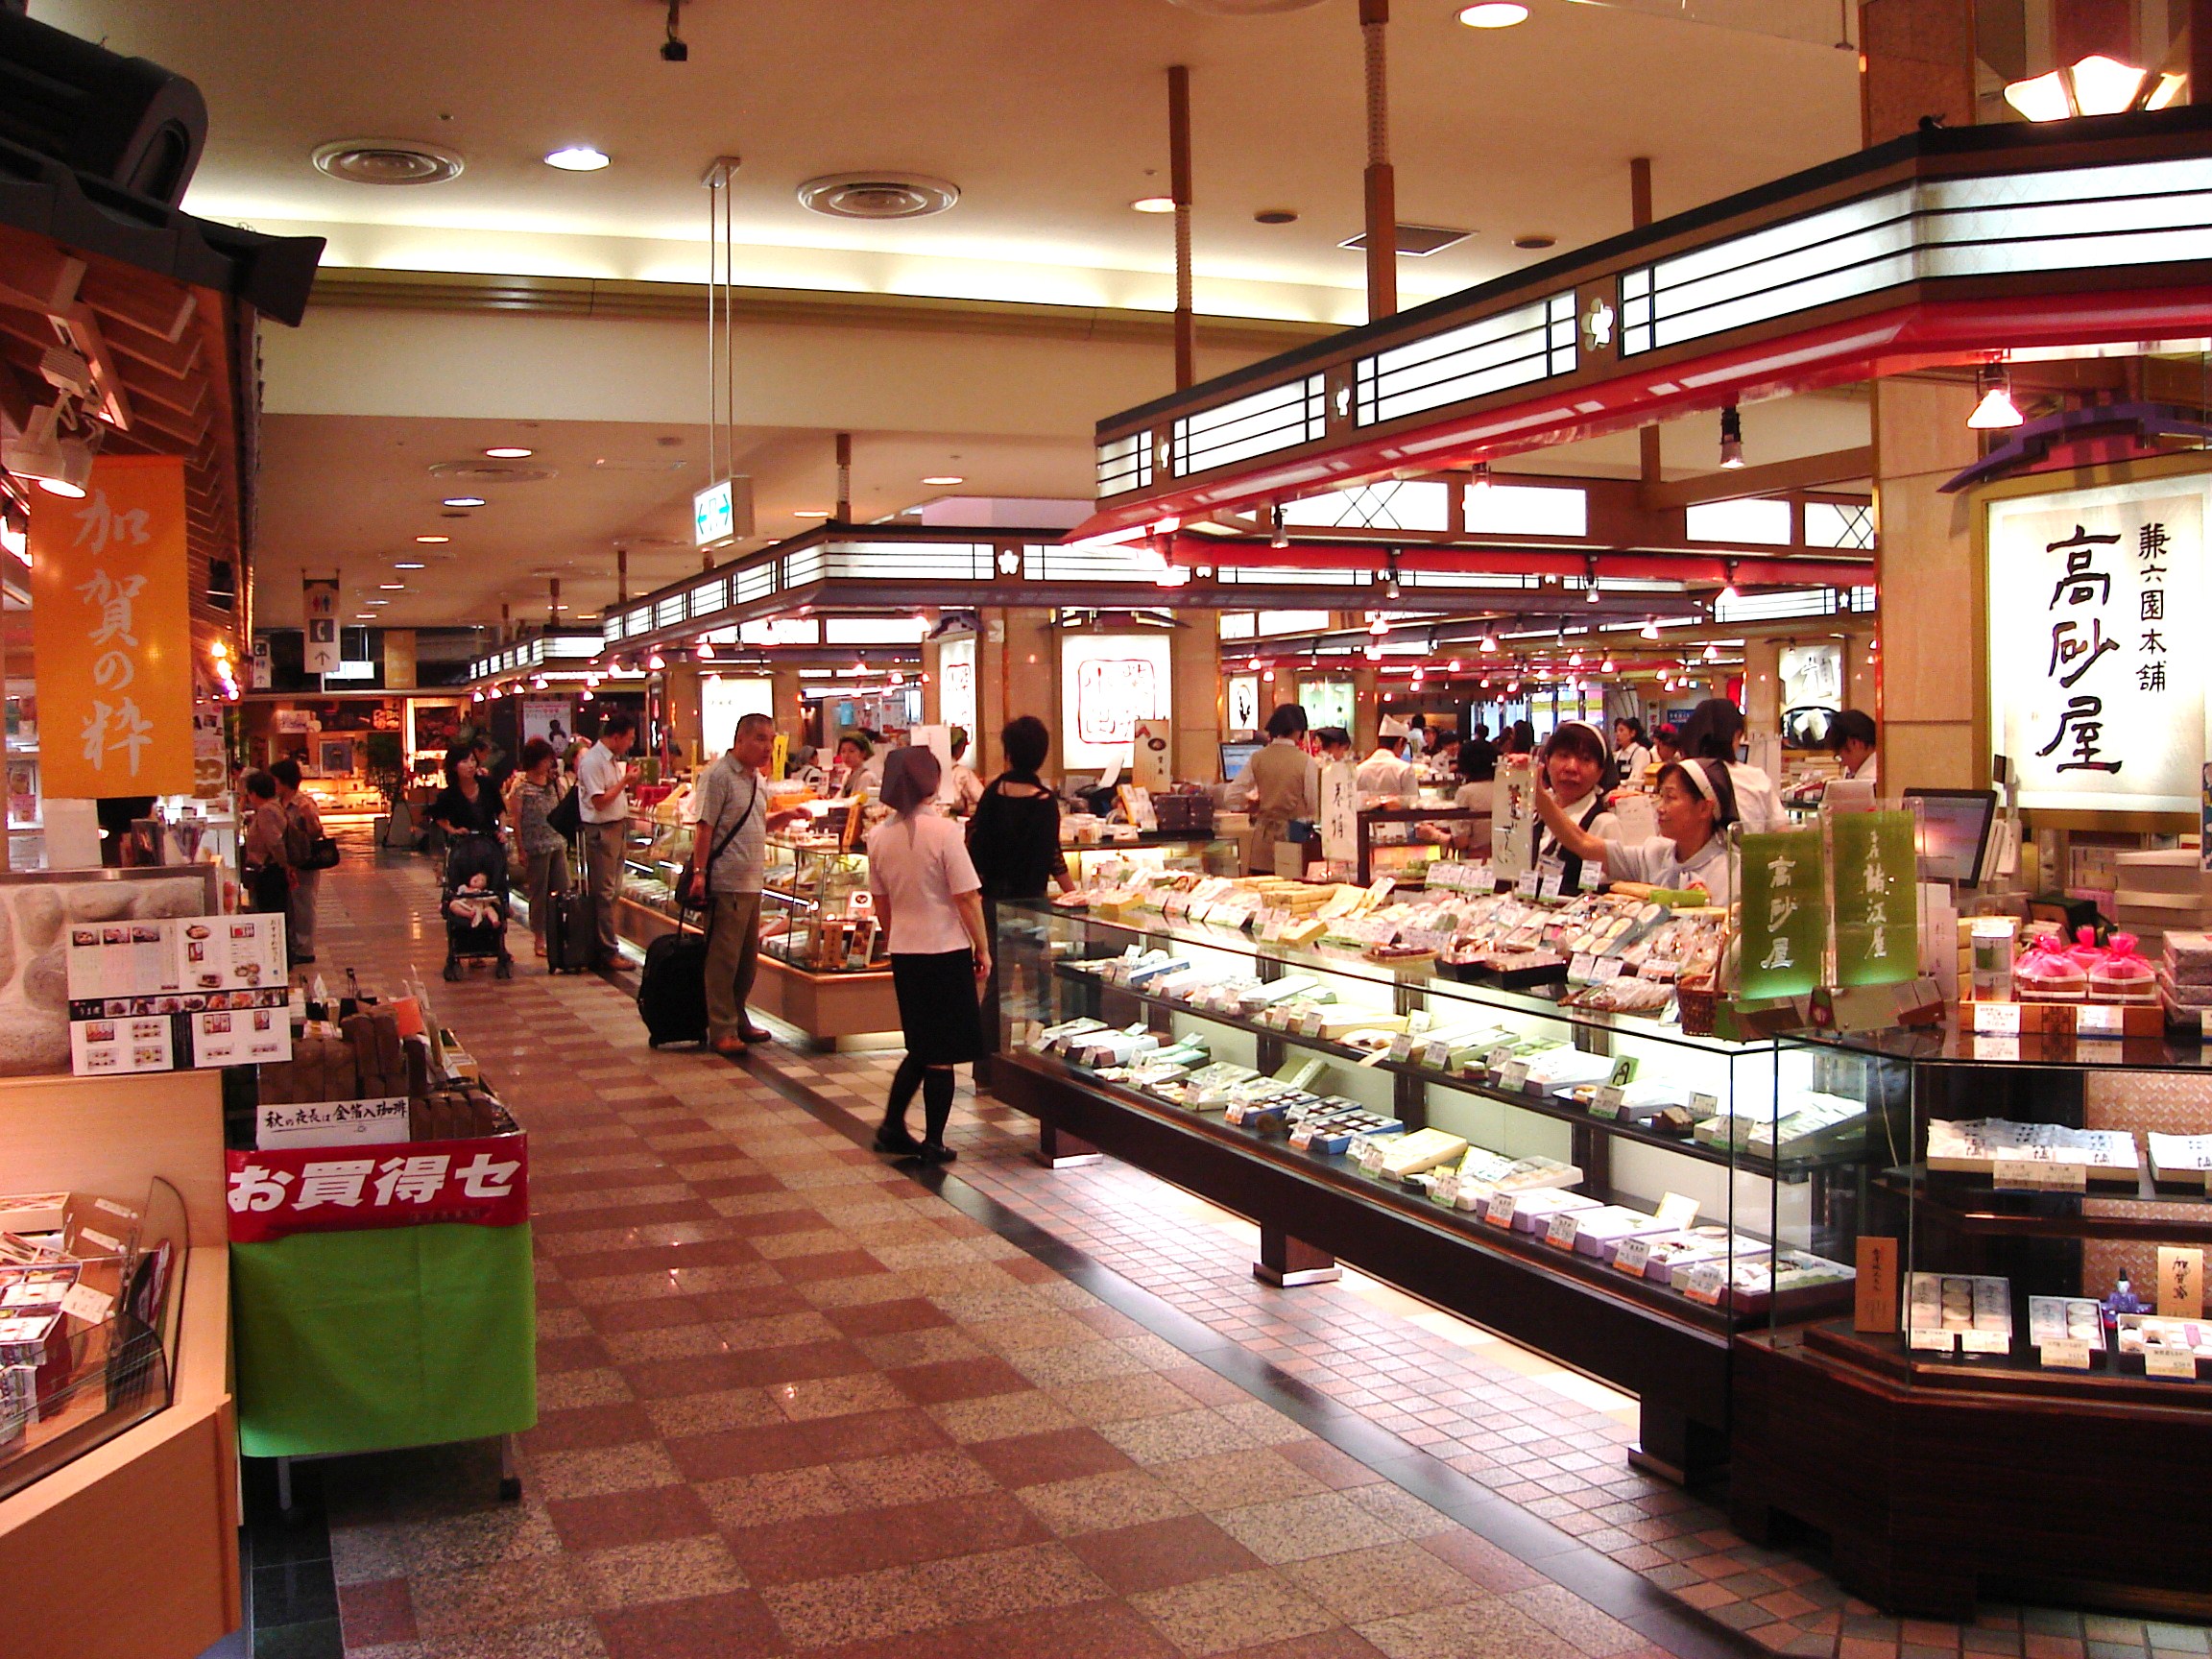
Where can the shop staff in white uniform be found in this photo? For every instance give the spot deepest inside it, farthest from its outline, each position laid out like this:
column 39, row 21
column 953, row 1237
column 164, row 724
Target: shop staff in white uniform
column 1714, row 731
column 1579, row 772
column 1852, row 736
column 1631, row 753
column 1386, row 778
column 1695, row 803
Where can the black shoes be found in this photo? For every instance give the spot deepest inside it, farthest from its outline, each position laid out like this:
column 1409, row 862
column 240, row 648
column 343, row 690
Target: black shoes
column 897, row 1141
column 935, row 1153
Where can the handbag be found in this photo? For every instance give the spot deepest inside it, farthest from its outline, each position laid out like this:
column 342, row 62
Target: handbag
column 322, row 854
column 565, row 819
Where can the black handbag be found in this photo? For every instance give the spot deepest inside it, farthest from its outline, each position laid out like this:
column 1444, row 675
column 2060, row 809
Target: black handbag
column 322, row 854
column 566, row 816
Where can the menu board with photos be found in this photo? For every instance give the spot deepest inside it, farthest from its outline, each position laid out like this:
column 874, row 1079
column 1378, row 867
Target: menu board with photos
column 189, row 991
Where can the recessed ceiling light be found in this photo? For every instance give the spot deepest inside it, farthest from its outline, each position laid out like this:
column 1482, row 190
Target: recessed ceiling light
column 364, row 615
column 463, row 500
column 407, row 565
column 376, row 601
column 1489, row 15
column 433, row 539
column 392, row 587
column 577, row 158
column 509, row 452
column 810, row 513
column 1154, row 204
column 1535, row 241
column 945, row 478
column 1276, row 216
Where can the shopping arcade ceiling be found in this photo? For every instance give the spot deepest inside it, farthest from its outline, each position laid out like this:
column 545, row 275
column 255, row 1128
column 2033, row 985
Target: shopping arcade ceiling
column 1562, row 103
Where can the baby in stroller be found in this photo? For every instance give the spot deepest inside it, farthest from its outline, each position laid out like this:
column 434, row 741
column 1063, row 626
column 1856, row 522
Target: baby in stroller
column 473, row 903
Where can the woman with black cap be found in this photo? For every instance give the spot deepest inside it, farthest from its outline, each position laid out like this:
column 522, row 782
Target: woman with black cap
column 1714, row 731
column 1577, row 771
column 1695, row 801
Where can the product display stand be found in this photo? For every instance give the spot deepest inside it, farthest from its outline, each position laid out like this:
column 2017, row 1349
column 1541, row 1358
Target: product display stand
column 155, row 1510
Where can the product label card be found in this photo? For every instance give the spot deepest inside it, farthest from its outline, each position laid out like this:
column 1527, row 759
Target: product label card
column 2039, row 1175
column 2098, row 1020
column 1633, row 1256
column 1608, row 1102
column 1997, row 1019
column 1564, row 1230
column 1986, row 1341
column 2063, row 1353
column 1874, row 1306
column 2180, row 1283
column 1499, row 1211
column 86, row 1304
column 1515, row 1075
column 2175, row 1363
column 1677, row 1210
column 1935, row 1341
column 1707, row 1280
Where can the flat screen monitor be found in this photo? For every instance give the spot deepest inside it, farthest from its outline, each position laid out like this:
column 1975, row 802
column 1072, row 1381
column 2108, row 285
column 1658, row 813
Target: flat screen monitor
column 1233, row 758
column 1954, row 832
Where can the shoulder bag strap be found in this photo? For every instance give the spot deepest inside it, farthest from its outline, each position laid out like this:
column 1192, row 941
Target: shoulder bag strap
column 721, row 841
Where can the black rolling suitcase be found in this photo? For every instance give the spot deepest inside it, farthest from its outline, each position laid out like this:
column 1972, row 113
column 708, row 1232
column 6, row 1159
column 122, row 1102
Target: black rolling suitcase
column 672, row 990
column 571, row 931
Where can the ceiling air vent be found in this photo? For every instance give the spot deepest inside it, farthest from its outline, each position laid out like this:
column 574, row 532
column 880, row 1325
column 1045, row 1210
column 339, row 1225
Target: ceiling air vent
column 388, row 161
column 878, row 195
column 492, row 471
column 1417, row 241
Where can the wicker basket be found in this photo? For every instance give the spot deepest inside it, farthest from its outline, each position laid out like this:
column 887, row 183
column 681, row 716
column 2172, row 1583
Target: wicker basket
column 1699, row 1003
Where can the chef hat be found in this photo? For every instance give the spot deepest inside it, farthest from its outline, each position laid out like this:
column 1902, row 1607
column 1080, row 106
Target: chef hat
column 1391, row 727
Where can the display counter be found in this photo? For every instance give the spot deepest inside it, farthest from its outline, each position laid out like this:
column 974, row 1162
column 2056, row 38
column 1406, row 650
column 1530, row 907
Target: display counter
column 2041, row 1365
column 1604, row 1187
column 148, row 1496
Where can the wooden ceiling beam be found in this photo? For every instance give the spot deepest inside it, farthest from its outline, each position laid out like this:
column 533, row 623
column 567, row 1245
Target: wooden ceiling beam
column 160, row 306
column 1776, row 478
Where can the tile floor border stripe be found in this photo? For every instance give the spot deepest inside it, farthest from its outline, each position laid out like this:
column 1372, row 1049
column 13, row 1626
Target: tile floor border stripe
column 1619, row 1591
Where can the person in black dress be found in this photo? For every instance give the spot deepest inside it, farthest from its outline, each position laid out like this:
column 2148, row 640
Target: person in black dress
column 469, row 804
column 1014, row 841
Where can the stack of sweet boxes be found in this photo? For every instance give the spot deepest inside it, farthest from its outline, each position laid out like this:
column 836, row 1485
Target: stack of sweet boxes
column 2158, row 893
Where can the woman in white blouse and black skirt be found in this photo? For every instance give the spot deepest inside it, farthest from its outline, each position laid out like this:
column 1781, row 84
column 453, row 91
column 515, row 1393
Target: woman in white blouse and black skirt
column 929, row 903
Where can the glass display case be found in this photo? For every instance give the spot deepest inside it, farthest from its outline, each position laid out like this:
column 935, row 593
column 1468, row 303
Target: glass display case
column 815, row 911
column 90, row 1293
column 1604, row 1184
column 656, row 851
column 2031, row 1338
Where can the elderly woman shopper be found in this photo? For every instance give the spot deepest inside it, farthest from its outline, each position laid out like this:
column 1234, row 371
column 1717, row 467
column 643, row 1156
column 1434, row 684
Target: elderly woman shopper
column 268, row 873
column 534, row 794
column 929, row 902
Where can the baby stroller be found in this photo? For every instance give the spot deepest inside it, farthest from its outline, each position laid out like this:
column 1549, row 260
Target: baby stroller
column 473, row 903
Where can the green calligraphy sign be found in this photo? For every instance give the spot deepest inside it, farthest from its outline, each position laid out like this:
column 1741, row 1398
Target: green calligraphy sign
column 1784, row 903
column 1876, row 897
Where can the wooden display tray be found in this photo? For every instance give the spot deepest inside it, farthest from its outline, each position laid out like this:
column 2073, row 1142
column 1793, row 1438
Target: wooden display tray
column 157, row 1507
column 838, row 1012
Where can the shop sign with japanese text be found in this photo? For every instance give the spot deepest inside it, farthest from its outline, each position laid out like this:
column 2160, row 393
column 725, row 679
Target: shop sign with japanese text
column 1784, row 893
column 112, row 632
column 2096, row 687
column 1874, row 883
column 278, row 1193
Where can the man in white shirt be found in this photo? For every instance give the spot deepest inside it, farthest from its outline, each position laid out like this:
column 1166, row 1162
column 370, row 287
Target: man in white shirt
column 603, row 779
column 734, row 819
column 1385, row 779
column 1853, row 734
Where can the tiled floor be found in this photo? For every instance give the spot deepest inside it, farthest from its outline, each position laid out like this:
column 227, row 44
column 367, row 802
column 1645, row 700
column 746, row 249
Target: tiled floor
column 795, row 1401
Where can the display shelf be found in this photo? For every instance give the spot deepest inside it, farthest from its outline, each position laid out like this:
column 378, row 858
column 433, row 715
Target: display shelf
column 1968, row 1203
column 2112, row 1376
column 1564, row 1112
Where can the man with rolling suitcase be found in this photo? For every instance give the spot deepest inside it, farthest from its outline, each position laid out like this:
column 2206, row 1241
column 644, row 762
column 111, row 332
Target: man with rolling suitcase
column 695, row 987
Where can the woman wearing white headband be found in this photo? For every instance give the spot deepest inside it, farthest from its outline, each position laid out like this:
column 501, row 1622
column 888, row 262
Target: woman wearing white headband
column 1696, row 802
column 1577, row 769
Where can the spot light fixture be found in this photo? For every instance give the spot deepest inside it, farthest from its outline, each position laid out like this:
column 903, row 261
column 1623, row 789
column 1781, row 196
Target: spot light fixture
column 1731, row 437
column 1279, row 536
column 1996, row 412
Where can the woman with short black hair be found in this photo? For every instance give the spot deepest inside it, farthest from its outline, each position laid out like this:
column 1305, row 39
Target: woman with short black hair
column 1696, row 802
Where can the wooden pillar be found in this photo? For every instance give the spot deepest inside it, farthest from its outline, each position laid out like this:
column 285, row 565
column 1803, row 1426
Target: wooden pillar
column 1915, row 60
column 1649, row 469
column 1927, row 687
column 1382, row 183
column 1179, row 174
column 1195, row 664
column 843, row 478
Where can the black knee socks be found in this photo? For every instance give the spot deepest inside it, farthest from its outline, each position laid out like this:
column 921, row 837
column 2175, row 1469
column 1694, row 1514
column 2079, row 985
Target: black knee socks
column 936, row 1103
column 904, row 1082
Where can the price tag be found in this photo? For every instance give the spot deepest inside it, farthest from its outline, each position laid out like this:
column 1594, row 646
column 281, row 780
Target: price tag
column 1402, row 1046
column 1302, row 1138
column 1548, row 887
column 1310, row 1023
column 1997, row 1019
column 1633, row 1256
column 1271, row 929
column 1608, row 970
column 1496, row 1060
column 1437, row 1054
column 1996, row 1047
column 1564, row 1230
column 2099, row 1020
column 1986, row 1341
column 1935, row 1341
column 1581, row 968
column 1704, row 1105
column 85, row 1302
column 1707, row 1280
column 1515, row 1075
column 1371, row 1157
column 1677, row 1210
column 2175, row 1363
column 2065, row 1354
column 1526, row 885
column 1606, row 1103
column 2040, row 1175
column 1445, row 1188
column 1499, row 1211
